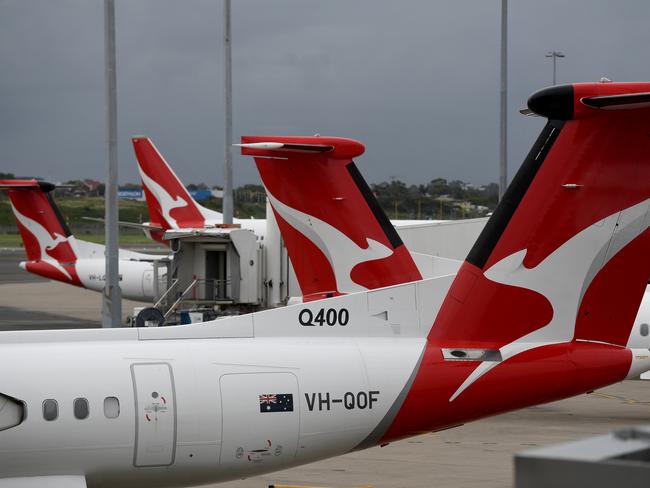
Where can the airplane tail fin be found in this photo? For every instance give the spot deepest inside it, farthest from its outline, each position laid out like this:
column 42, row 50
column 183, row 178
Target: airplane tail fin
column 49, row 244
column 170, row 204
column 564, row 256
column 338, row 238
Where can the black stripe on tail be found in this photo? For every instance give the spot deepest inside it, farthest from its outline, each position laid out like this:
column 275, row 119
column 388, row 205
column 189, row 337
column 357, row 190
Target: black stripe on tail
column 506, row 208
column 382, row 219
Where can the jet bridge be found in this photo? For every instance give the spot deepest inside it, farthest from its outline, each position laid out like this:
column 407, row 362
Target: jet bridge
column 214, row 271
column 225, row 270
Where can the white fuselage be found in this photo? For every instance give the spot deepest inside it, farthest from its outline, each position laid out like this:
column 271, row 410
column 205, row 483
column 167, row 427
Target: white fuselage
column 183, row 403
column 136, row 277
column 640, row 336
column 136, row 270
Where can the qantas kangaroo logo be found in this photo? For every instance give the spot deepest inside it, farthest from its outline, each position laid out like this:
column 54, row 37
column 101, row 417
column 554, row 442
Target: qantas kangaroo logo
column 563, row 278
column 45, row 241
column 342, row 252
column 166, row 201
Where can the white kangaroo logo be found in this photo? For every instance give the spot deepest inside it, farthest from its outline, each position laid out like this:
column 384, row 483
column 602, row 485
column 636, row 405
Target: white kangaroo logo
column 563, row 278
column 342, row 252
column 44, row 238
column 167, row 203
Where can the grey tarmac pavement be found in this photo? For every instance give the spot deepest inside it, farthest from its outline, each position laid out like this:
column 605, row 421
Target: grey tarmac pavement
column 479, row 454
column 10, row 272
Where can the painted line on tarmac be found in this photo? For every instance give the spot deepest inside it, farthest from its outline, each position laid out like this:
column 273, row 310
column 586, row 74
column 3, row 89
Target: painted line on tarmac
column 626, row 401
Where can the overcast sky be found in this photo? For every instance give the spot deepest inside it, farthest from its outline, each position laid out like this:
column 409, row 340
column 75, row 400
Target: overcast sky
column 416, row 81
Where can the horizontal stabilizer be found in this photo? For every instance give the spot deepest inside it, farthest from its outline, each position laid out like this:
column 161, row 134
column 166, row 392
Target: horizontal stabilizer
column 287, row 146
column 337, row 148
column 128, row 225
column 528, row 112
column 619, row 102
column 26, row 185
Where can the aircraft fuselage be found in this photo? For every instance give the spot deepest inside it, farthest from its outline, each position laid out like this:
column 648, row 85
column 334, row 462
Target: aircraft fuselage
column 176, row 412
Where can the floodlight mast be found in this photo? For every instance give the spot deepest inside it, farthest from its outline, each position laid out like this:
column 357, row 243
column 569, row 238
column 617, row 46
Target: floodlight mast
column 112, row 295
column 554, row 55
column 503, row 144
column 227, row 168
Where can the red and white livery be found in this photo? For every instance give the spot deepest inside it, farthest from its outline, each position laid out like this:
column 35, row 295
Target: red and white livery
column 53, row 252
column 541, row 310
column 171, row 207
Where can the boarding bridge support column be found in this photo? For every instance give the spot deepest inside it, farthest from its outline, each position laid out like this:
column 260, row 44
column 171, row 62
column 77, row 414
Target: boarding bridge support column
column 273, row 247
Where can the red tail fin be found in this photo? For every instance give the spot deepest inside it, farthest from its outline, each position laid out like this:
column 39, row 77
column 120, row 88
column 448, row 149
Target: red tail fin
column 547, row 296
column 170, row 204
column 564, row 257
column 44, row 232
column 339, row 239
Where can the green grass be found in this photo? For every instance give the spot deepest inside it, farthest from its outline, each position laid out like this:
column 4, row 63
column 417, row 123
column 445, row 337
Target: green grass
column 10, row 240
column 14, row 240
column 74, row 209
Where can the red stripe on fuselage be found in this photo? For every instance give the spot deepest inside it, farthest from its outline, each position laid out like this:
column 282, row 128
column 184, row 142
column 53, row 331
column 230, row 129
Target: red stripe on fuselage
column 537, row 376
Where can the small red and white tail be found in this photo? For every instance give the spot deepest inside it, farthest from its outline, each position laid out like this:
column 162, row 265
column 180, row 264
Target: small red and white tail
column 170, row 204
column 338, row 238
column 48, row 242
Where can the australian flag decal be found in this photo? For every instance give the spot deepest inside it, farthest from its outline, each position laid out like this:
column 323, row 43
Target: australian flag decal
column 276, row 402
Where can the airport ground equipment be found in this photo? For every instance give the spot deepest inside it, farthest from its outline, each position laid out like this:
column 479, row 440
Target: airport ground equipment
column 620, row 457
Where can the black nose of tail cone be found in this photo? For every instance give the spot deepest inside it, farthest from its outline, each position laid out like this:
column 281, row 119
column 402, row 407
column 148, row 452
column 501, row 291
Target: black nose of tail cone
column 555, row 102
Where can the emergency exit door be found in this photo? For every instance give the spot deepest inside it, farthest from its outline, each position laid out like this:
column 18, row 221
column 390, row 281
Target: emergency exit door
column 155, row 420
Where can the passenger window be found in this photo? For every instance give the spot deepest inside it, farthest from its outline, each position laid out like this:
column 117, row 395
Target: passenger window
column 50, row 409
column 111, row 407
column 644, row 329
column 80, row 408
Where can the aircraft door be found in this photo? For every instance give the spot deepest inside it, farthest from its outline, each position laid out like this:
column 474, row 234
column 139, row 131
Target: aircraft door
column 147, row 283
column 155, row 421
column 261, row 413
column 215, row 275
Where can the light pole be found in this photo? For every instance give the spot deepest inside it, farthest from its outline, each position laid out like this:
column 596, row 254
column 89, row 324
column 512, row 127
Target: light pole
column 227, row 208
column 503, row 92
column 554, row 55
column 112, row 295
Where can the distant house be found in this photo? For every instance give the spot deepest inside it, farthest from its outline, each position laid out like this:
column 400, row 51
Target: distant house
column 92, row 185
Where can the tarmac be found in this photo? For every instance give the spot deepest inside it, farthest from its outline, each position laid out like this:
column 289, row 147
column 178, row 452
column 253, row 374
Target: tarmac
column 28, row 301
column 479, row 454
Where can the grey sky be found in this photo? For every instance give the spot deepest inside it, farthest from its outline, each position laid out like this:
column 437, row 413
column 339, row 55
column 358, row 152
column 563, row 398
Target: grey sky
column 416, row 81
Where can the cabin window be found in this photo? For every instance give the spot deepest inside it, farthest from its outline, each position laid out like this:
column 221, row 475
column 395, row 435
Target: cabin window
column 80, row 408
column 645, row 329
column 111, row 407
column 50, row 409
